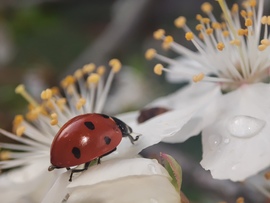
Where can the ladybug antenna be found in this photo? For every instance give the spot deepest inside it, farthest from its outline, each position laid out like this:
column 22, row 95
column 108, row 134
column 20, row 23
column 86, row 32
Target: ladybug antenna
column 51, row 168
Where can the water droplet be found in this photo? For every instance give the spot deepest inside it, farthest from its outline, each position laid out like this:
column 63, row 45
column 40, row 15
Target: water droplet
column 245, row 126
column 152, row 168
column 152, row 200
column 214, row 141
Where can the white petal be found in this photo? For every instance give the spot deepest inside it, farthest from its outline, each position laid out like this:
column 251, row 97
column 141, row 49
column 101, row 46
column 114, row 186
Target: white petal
column 30, row 182
column 232, row 157
column 132, row 189
column 182, row 62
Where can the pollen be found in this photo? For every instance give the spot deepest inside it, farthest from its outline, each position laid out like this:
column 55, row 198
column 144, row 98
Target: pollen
column 68, row 80
column 198, row 78
column 54, row 122
column 158, row 69
column 242, row 32
column 235, row 8
column 46, row 94
column 101, row 70
column 88, row 68
column 240, row 200
column 220, row 46
column 248, row 22
column 189, row 36
column 206, row 7
column 253, row 3
column 235, row 42
column 159, row 34
column 199, row 27
column 18, row 120
column 168, row 39
column 264, row 20
column 226, row 33
column 115, row 64
column 5, row 155
column 216, row 25
column 206, row 20
column 93, row 78
column 61, row 103
column 265, row 42
column 209, row 31
column 20, row 130
column 180, row 22
column 262, row 47
column 199, row 17
column 243, row 13
column 150, row 54
column 80, row 103
column 55, row 90
column 78, row 74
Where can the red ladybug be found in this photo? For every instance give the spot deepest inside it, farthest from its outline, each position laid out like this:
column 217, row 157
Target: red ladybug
column 85, row 138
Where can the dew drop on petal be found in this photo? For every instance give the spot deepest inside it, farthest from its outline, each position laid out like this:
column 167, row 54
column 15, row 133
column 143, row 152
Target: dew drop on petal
column 245, row 126
column 214, row 141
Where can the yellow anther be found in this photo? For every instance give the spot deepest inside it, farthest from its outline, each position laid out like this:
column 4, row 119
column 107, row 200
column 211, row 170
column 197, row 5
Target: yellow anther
column 248, row 22
column 209, row 31
column 20, row 89
column 243, row 13
column 49, row 104
column 115, row 64
column 225, row 33
column 54, row 116
column 168, row 39
column 180, row 22
column 54, row 122
column 253, row 3
column 198, row 78
column 46, row 94
column 265, row 42
column 250, row 14
column 61, row 103
column 20, row 130
column 262, row 47
column 55, row 90
column 68, row 80
column 88, row 68
column 206, row 7
column 5, row 155
column 159, row 34
column 206, row 20
column 242, row 32
column 150, row 54
column 101, row 70
column 216, row 25
column 199, row 17
column 220, row 46
column 240, row 200
column 201, row 36
column 80, row 103
column 235, row 8
column 189, row 36
column 199, row 27
column 17, row 120
column 235, row 42
column 264, row 20
column 78, row 74
column 268, row 20
column 93, row 78
column 158, row 69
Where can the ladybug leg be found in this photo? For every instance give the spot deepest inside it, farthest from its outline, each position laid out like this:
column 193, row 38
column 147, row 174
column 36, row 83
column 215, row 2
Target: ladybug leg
column 131, row 138
column 98, row 160
column 86, row 165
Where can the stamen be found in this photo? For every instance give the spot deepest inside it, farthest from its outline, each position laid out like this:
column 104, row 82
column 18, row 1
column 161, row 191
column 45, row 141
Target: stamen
column 20, row 89
column 54, row 120
column 197, row 78
column 78, row 74
column 46, row 94
column 115, row 64
column 159, row 34
column 189, row 36
column 167, row 42
column 88, row 68
column 67, row 81
column 158, row 69
column 20, row 130
column 5, row 155
column 267, row 175
column 240, row 200
column 220, row 46
column 206, row 7
column 150, row 54
column 80, row 103
column 180, row 22
column 93, row 78
column 101, row 70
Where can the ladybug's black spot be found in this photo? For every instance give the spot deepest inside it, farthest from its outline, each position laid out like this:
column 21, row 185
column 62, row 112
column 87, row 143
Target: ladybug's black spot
column 89, row 125
column 107, row 140
column 76, row 152
column 104, row 116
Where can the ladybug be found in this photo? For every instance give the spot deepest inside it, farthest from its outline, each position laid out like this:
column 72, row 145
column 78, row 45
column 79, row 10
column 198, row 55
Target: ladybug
column 85, row 138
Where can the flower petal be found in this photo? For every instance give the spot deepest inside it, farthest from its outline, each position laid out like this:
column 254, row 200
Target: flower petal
column 228, row 155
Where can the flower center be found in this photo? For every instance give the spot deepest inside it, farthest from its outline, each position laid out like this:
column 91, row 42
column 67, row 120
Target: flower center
column 227, row 52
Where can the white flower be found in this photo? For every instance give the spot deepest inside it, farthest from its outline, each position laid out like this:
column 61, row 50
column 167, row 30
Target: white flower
column 34, row 133
column 231, row 100
column 117, row 181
